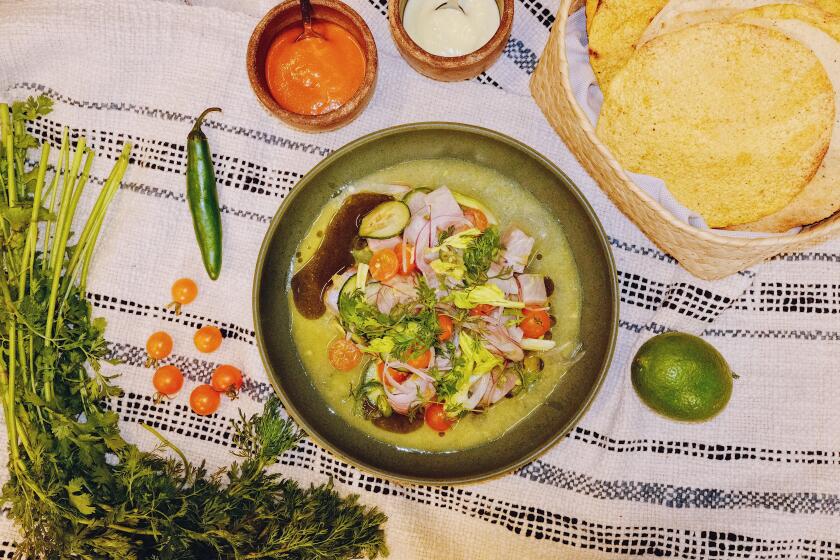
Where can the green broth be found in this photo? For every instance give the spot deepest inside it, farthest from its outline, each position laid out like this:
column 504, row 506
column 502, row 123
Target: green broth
column 512, row 206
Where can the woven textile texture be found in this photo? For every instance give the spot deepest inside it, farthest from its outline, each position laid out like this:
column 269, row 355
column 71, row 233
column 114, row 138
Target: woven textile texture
column 760, row 481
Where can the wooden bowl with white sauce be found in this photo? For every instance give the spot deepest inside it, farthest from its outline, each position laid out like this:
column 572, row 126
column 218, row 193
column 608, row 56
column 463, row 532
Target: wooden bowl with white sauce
column 449, row 68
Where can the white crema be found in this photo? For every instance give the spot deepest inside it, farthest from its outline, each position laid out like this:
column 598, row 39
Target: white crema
column 448, row 32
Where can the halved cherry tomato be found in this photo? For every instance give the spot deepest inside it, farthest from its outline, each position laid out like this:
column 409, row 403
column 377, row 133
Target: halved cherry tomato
column 397, row 375
column 477, row 217
column 446, row 325
column 158, row 346
column 405, row 254
column 437, row 419
column 207, row 339
column 227, row 379
column 343, row 354
column 535, row 323
column 184, row 291
column 384, row 265
column 167, row 380
column 419, row 361
column 204, row 400
column 482, row 309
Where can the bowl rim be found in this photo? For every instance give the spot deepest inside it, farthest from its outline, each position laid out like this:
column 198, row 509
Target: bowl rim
column 292, row 410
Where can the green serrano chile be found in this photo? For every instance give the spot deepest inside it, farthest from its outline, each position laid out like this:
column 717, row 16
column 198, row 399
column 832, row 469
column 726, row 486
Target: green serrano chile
column 203, row 199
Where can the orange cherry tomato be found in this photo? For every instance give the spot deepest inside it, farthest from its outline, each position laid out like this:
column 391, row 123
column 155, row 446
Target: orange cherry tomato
column 420, row 361
column 446, row 325
column 481, row 309
column 167, row 380
column 158, row 346
column 207, row 339
column 204, row 400
column 343, row 354
column 437, row 419
column 405, row 255
column 535, row 322
column 227, row 379
column 477, row 217
column 384, row 265
column 184, row 291
column 397, row 375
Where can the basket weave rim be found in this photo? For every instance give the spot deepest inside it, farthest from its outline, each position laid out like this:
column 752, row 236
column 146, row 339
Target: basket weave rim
column 811, row 232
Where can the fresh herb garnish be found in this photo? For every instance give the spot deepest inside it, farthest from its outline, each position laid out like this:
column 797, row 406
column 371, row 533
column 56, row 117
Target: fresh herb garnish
column 406, row 333
column 479, row 254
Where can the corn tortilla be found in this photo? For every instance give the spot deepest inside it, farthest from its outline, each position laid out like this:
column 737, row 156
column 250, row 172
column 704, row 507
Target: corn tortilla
column 734, row 118
column 615, row 28
column 591, row 8
column 821, row 33
column 678, row 14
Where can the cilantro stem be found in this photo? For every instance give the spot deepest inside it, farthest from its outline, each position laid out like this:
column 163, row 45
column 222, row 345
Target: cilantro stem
column 120, row 168
column 60, row 241
column 8, row 142
column 11, row 416
column 32, row 232
column 59, row 171
column 87, row 239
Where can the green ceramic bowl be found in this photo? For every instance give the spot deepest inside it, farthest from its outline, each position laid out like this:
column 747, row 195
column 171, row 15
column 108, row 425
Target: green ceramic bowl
column 549, row 422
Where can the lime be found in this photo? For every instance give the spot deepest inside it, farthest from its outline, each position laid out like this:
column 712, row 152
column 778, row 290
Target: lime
column 681, row 376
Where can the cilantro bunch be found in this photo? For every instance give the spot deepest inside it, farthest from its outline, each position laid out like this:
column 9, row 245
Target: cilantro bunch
column 76, row 488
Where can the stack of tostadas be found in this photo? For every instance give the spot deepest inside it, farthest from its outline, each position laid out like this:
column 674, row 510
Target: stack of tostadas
column 733, row 103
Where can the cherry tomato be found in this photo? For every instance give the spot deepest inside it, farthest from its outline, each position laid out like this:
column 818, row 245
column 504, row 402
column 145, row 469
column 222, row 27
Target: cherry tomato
column 167, row 380
column 535, row 323
column 405, row 255
column 184, row 291
column 446, row 325
column 204, row 400
column 384, row 265
column 477, row 217
column 420, row 361
column 158, row 346
column 397, row 375
column 207, row 339
column 482, row 309
column 437, row 419
column 343, row 354
column 227, row 379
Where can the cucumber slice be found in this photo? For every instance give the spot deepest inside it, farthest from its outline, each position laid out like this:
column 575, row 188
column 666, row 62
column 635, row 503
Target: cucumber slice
column 470, row 202
column 348, row 288
column 386, row 220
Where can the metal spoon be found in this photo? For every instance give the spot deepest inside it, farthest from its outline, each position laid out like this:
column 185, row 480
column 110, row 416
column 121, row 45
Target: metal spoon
column 451, row 5
column 306, row 15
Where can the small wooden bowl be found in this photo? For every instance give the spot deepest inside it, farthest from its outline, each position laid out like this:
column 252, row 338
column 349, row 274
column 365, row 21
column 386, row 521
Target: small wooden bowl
column 450, row 68
column 288, row 13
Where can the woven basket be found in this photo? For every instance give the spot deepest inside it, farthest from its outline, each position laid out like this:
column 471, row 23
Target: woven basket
column 703, row 253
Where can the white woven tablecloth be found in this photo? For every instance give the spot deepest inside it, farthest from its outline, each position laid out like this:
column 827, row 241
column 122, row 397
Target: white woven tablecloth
column 760, row 481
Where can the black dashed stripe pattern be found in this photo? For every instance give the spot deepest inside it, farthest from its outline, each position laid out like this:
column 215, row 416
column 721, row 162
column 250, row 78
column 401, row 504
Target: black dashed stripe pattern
column 680, row 497
column 160, row 155
column 253, row 134
column 187, row 319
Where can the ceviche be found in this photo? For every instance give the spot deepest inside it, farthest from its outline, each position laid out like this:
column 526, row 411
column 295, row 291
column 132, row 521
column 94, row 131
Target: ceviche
column 440, row 307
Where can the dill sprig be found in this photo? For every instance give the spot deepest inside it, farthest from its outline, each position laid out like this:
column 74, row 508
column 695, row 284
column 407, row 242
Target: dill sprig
column 479, row 254
column 76, row 488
